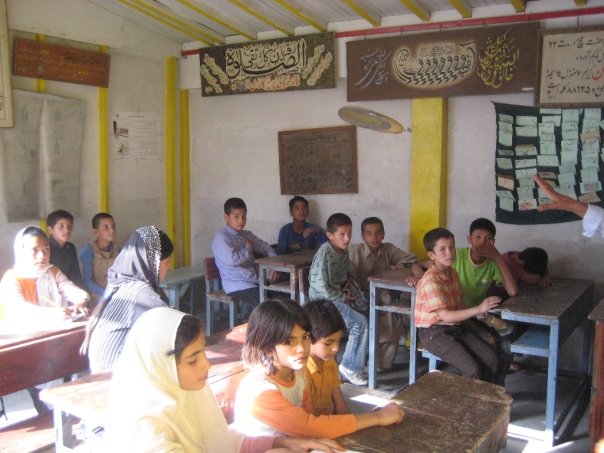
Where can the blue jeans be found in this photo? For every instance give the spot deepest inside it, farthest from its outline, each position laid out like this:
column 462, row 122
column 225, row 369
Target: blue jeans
column 358, row 338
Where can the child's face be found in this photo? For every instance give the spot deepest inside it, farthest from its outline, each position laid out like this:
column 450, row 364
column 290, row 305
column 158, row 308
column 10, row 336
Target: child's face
column 299, row 212
column 36, row 252
column 480, row 238
column 193, row 366
column 373, row 235
column 236, row 219
column 164, row 267
column 341, row 237
column 61, row 232
column 443, row 253
column 326, row 348
column 293, row 354
column 105, row 231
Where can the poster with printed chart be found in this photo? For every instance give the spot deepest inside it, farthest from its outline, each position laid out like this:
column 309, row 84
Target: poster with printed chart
column 61, row 137
column 562, row 145
column 572, row 68
column 297, row 63
column 136, row 135
column 20, row 158
column 464, row 62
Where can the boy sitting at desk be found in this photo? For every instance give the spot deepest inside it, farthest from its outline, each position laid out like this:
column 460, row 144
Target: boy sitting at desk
column 63, row 253
column 329, row 271
column 440, row 314
column 299, row 234
column 529, row 266
column 234, row 250
column 370, row 258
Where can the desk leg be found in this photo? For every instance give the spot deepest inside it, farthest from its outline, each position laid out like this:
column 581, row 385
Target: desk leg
column 596, row 419
column 413, row 342
column 262, row 275
column 552, row 370
column 173, row 297
column 372, row 365
column 293, row 285
column 63, row 434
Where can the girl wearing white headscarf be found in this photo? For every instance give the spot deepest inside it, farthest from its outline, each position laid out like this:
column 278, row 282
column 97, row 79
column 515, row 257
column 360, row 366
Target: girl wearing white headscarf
column 132, row 289
column 36, row 288
column 159, row 400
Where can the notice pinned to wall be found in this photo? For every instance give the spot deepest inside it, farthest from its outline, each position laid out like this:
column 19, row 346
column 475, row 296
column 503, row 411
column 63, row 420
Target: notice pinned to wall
column 136, row 135
column 6, row 108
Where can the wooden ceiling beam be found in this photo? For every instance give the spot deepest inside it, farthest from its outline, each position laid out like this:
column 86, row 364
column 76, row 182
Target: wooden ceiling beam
column 416, row 9
column 209, row 15
column 301, row 15
column 462, row 8
column 261, row 17
column 519, row 5
column 373, row 20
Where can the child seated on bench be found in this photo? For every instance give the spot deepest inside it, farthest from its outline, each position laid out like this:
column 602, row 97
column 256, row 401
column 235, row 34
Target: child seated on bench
column 159, row 398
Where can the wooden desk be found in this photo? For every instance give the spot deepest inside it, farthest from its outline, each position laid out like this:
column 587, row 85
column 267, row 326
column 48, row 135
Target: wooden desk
column 596, row 419
column 443, row 413
column 553, row 313
column 394, row 280
column 291, row 264
column 178, row 281
column 39, row 354
column 87, row 398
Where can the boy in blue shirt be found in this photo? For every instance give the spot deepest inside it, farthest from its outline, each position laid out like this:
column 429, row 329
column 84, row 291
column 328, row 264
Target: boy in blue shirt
column 234, row 249
column 299, row 234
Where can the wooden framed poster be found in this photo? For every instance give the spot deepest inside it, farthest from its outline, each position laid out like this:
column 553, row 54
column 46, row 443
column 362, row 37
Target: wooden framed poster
column 321, row 160
column 6, row 105
column 572, row 69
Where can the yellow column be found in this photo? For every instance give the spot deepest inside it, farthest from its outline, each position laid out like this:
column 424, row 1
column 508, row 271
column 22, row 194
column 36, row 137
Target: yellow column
column 429, row 170
column 170, row 94
column 103, row 147
column 41, row 88
column 185, row 178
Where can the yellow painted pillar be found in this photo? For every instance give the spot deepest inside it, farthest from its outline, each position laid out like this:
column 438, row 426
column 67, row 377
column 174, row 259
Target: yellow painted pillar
column 429, row 170
column 185, row 178
column 103, row 146
column 170, row 102
column 41, row 88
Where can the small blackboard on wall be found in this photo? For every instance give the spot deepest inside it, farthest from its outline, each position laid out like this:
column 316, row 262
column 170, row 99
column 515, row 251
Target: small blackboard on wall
column 321, row 160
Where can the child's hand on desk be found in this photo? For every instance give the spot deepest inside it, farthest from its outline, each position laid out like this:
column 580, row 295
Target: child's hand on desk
column 389, row 414
column 546, row 280
column 412, row 281
column 80, row 310
column 488, row 304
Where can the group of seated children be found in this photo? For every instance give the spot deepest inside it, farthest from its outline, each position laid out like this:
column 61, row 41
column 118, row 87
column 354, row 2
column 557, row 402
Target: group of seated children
column 456, row 306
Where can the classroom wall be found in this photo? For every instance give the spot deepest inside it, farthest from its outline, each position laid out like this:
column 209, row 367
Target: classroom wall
column 136, row 84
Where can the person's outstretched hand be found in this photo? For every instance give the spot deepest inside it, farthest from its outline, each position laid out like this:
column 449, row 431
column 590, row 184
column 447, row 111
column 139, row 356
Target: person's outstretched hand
column 559, row 201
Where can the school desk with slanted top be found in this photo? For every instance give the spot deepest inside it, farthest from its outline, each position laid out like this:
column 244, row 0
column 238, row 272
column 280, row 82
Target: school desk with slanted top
column 552, row 313
column 178, row 281
column 291, row 264
column 443, row 413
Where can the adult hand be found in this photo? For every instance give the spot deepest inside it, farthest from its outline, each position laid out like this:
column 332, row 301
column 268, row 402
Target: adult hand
column 559, row 201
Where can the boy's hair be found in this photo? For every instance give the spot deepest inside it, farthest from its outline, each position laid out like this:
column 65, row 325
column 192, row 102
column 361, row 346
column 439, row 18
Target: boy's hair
column 337, row 220
column 34, row 231
column 188, row 330
column 432, row 237
column 371, row 221
column 271, row 323
column 295, row 199
column 96, row 220
column 483, row 224
column 234, row 203
column 325, row 319
column 535, row 260
column 55, row 216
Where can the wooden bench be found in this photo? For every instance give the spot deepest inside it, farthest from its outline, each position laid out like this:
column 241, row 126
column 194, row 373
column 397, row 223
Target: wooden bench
column 86, row 398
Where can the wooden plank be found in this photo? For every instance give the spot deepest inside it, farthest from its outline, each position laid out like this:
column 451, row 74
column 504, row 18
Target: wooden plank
column 64, row 64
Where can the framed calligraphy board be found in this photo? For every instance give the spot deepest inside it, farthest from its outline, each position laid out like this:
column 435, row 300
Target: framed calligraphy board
column 318, row 161
column 285, row 64
column 492, row 60
column 572, row 68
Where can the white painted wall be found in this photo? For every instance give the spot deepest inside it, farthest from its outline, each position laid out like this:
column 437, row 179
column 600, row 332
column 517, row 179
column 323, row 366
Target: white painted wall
column 137, row 188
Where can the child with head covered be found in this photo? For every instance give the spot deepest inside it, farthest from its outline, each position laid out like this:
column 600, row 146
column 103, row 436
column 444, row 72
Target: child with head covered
column 274, row 397
column 160, row 399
